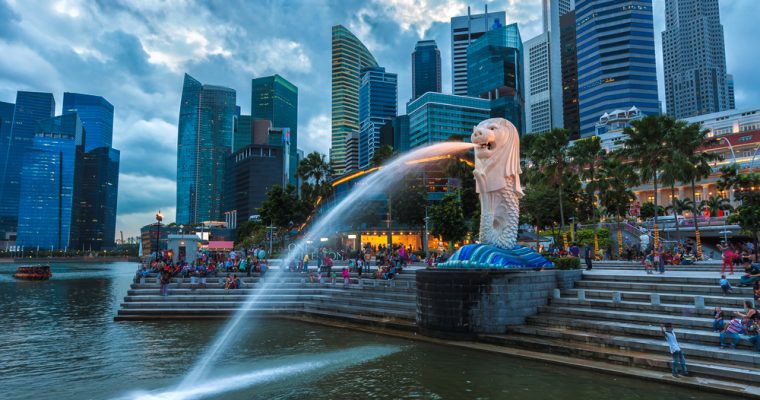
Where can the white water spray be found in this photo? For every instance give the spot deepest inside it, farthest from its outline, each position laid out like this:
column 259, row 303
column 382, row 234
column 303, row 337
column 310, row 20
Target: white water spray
column 389, row 174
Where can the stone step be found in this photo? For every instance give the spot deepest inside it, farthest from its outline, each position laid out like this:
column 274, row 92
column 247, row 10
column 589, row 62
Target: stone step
column 678, row 321
column 713, row 290
column 232, row 295
column 359, row 304
column 700, row 336
column 215, row 283
column 712, row 353
column 659, row 361
column 665, row 298
column 687, row 310
column 657, row 278
column 268, row 309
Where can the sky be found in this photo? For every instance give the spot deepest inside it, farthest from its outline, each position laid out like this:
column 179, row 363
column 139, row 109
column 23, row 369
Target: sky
column 134, row 53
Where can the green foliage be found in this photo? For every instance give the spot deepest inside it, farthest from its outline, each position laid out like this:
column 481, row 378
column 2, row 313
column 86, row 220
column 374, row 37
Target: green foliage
column 565, row 263
column 283, row 207
column 647, row 210
column 315, row 171
column 382, row 154
column 745, row 186
column 247, row 229
column 447, row 219
column 408, row 204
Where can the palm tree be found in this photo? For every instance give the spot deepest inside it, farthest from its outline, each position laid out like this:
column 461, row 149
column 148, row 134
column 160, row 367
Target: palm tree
column 615, row 178
column 314, row 168
column 587, row 155
column 715, row 204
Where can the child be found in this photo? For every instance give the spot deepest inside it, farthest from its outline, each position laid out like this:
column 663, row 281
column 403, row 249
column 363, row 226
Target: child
column 648, row 263
column 725, row 285
column 678, row 359
column 333, row 277
column 718, row 320
column 346, row 276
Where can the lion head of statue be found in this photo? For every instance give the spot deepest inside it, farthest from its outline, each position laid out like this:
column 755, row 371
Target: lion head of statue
column 497, row 153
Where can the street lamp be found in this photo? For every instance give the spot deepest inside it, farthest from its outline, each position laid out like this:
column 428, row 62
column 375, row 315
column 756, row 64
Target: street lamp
column 752, row 161
column 733, row 154
column 159, row 218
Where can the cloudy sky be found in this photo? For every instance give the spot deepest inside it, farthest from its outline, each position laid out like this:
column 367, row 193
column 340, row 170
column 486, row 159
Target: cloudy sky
column 134, row 54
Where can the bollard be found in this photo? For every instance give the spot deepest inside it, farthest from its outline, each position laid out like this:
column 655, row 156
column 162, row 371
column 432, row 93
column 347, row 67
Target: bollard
column 616, row 297
column 699, row 302
column 556, row 294
column 655, row 299
column 582, row 294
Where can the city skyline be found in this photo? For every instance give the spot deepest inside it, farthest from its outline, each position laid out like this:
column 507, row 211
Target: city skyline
column 140, row 72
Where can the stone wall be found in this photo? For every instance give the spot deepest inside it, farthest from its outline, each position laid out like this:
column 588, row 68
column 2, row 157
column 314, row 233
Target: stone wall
column 462, row 303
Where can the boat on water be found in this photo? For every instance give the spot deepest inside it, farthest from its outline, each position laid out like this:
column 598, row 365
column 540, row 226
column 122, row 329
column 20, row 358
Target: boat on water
column 33, row 272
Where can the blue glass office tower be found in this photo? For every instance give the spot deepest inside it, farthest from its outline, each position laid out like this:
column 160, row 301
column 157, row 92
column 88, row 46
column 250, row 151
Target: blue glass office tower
column 426, row 68
column 435, row 117
column 204, row 141
column 495, row 72
column 616, row 59
column 96, row 114
column 378, row 104
column 95, row 195
column 275, row 99
column 47, row 183
column 30, row 108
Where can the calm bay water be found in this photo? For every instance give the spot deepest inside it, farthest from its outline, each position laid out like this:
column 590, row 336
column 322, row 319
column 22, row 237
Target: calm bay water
column 58, row 340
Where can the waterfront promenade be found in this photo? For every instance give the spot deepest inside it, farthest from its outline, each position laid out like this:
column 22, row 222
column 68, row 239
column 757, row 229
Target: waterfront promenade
column 609, row 321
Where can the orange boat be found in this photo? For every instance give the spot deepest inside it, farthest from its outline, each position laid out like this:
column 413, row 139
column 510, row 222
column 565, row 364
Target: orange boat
column 33, row 272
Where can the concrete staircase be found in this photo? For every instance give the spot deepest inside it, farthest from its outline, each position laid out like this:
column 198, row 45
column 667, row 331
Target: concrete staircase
column 365, row 300
column 616, row 318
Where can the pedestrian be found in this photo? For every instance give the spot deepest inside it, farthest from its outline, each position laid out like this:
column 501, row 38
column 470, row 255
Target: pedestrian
column 718, row 319
column 733, row 330
column 679, row 361
column 305, row 262
column 587, row 255
column 649, row 263
column 165, row 278
column 725, row 285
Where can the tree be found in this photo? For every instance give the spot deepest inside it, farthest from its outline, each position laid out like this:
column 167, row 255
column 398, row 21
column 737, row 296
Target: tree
column 283, row 208
column 447, row 220
column 614, row 183
column 246, row 229
column 587, row 155
column 745, row 191
column 382, row 154
column 647, row 210
column 539, row 207
column 409, row 203
column 315, row 171
column 717, row 203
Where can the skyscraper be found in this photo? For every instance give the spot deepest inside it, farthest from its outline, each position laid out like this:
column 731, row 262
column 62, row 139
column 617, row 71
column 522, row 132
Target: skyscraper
column 378, row 99
column 464, row 30
column 616, row 59
column 349, row 57
column 93, row 225
column 243, row 132
column 495, row 72
column 570, row 111
column 276, row 99
column 694, row 57
column 426, row 68
column 204, row 141
column 30, row 108
column 731, row 94
column 435, row 117
column 96, row 114
column 538, row 99
column 47, row 183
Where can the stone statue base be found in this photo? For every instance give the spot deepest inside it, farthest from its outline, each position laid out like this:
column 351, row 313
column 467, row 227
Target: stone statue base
column 488, row 256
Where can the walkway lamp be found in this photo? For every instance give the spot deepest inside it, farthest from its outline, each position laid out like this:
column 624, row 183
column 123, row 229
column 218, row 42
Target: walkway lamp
column 159, row 218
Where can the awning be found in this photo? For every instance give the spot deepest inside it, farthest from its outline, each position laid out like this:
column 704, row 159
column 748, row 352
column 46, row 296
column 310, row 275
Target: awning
column 220, row 245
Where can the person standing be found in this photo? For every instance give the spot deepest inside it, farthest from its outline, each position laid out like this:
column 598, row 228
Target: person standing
column 679, row 361
column 588, row 255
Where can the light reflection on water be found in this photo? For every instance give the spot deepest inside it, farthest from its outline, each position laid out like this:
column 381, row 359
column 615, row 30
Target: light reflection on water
column 58, row 340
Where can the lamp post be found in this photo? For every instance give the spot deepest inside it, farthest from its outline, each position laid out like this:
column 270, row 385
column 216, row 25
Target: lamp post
column 159, row 218
column 752, row 161
column 730, row 147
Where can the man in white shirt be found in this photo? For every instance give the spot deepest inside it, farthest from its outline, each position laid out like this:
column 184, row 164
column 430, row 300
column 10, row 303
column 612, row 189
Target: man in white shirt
column 678, row 359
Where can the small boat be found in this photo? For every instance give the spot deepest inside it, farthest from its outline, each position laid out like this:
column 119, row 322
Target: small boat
column 33, row 272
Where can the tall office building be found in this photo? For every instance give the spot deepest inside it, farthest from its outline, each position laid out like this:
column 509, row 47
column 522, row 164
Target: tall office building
column 47, row 183
column 464, row 30
column 435, row 117
column 616, row 59
column 538, row 99
column 276, row 99
column 252, row 171
column 204, row 141
column 731, row 94
column 352, row 152
column 569, row 59
column 378, row 104
column 426, row 68
column 495, row 72
column 349, row 57
column 30, row 108
column 694, row 57
column 96, row 114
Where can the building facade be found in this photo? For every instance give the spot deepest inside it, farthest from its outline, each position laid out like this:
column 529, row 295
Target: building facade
column 48, row 183
column 538, row 99
column 694, row 57
column 275, row 99
column 435, row 117
column 349, row 57
column 205, row 130
column 378, row 104
column 616, row 59
column 93, row 225
column 611, row 127
column 568, row 53
column 252, row 171
column 243, row 132
column 30, row 108
column 464, row 30
column 495, row 72
column 96, row 114
column 731, row 93
column 426, row 68
column 352, row 152
column 728, row 122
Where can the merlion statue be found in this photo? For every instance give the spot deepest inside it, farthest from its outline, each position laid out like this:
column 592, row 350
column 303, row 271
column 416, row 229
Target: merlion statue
column 497, row 180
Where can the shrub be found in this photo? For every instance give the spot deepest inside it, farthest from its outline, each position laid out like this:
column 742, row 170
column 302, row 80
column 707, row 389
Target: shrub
column 565, row 263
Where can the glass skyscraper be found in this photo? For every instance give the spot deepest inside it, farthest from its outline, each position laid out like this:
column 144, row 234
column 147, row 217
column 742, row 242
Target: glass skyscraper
column 378, row 104
column 426, row 68
column 275, row 99
column 435, row 117
column 464, row 30
column 243, row 132
column 30, row 108
column 495, row 72
column 616, row 59
column 95, row 198
column 204, row 141
column 349, row 57
column 96, row 114
column 47, row 183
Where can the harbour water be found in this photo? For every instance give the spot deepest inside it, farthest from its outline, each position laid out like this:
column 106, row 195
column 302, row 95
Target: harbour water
column 59, row 341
